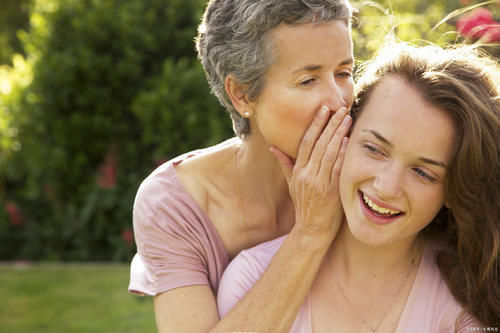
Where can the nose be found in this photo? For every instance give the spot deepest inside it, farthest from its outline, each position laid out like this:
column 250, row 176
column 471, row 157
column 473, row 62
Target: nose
column 337, row 95
column 388, row 182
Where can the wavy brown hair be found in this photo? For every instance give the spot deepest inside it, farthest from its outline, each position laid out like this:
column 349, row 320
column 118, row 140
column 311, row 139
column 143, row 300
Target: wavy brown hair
column 464, row 82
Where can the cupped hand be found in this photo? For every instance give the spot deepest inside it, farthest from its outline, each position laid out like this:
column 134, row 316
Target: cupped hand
column 313, row 179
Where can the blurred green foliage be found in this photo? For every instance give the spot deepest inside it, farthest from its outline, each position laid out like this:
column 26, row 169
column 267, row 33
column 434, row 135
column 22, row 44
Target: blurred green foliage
column 14, row 16
column 105, row 90
column 108, row 89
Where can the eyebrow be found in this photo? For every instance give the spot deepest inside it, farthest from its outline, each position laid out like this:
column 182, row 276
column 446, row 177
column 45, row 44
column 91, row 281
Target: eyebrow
column 423, row 159
column 310, row 68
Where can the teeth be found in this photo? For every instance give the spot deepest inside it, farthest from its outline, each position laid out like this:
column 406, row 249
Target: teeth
column 378, row 209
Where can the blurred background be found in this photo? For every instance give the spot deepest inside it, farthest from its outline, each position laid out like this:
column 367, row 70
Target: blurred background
column 94, row 94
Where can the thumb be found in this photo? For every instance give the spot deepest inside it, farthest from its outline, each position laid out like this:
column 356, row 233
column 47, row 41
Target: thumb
column 285, row 162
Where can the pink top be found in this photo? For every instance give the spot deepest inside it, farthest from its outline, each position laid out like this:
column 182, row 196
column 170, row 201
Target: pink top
column 177, row 245
column 430, row 306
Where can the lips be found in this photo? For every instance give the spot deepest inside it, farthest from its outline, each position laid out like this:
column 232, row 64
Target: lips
column 378, row 212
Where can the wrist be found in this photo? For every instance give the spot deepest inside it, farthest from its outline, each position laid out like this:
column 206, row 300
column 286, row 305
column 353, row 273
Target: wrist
column 310, row 238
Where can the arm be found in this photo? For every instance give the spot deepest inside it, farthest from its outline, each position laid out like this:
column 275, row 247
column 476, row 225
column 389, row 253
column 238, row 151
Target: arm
column 266, row 308
column 186, row 309
column 272, row 304
column 313, row 185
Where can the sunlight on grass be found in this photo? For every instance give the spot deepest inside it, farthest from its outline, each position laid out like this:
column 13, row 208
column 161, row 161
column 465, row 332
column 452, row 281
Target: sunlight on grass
column 71, row 298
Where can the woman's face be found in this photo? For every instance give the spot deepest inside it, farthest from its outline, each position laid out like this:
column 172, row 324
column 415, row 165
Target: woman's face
column 391, row 185
column 313, row 68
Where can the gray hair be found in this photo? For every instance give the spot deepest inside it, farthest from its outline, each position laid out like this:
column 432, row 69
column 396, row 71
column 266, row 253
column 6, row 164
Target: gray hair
column 234, row 38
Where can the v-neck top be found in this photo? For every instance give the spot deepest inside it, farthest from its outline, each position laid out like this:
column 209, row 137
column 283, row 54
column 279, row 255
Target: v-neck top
column 177, row 244
column 430, row 306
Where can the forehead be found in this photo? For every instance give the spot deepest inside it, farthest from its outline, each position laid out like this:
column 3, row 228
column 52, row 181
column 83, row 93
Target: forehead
column 399, row 111
column 309, row 43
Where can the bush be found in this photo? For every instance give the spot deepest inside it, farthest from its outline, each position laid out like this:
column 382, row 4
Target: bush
column 115, row 89
column 13, row 17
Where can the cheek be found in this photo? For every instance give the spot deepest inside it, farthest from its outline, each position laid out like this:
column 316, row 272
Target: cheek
column 296, row 126
column 284, row 123
column 427, row 205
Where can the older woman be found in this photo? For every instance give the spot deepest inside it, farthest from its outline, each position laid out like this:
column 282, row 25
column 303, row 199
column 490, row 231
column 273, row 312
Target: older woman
column 420, row 183
column 282, row 68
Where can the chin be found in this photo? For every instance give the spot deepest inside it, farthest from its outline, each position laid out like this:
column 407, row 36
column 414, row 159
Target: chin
column 366, row 235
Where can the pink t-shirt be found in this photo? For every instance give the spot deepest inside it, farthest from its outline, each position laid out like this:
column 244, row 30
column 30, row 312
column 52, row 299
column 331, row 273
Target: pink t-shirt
column 177, row 245
column 430, row 306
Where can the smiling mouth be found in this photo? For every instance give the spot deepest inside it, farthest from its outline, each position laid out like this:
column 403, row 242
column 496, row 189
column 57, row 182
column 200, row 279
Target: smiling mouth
column 377, row 210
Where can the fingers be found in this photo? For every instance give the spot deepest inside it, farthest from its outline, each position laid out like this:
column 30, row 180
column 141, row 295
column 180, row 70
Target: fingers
column 285, row 162
column 311, row 136
column 332, row 134
column 335, row 173
column 333, row 147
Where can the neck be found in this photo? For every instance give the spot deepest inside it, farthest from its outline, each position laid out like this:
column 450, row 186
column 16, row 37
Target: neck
column 356, row 260
column 259, row 174
column 263, row 189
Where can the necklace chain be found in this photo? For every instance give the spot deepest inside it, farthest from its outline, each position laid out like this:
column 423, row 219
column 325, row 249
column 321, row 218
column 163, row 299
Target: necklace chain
column 365, row 323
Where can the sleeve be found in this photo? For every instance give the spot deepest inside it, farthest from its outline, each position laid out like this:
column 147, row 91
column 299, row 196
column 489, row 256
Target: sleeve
column 467, row 323
column 455, row 319
column 171, row 242
column 243, row 272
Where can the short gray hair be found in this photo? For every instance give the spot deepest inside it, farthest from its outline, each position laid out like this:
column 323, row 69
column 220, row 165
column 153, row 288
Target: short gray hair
column 234, row 38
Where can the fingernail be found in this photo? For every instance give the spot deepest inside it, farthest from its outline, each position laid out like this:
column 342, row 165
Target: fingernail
column 343, row 109
column 324, row 110
column 347, row 119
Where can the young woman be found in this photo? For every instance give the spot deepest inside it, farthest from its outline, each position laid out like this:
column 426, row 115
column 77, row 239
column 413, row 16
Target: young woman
column 418, row 250
column 274, row 64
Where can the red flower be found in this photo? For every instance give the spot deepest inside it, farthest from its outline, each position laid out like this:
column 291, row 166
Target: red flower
column 16, row 219
column 107, row 171
column 479, row 24
column 128, row 237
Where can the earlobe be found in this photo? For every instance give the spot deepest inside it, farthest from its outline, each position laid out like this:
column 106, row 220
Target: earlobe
column 238, row 96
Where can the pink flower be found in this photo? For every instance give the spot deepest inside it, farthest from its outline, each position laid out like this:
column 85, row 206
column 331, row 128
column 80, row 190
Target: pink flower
column 128, row 237
column 107, row 171
column 16, row 219
column 479, row 24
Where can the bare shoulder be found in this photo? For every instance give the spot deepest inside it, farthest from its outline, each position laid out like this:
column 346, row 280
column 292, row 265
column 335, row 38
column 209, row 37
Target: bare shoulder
column 198, row 174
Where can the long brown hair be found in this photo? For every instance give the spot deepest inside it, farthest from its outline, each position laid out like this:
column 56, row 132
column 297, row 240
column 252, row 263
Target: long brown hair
column 465, row 83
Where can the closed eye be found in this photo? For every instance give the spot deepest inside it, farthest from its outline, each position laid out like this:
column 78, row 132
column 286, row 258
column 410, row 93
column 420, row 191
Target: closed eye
column 307, row 82
column 424, row 175
column 345, row 74
column 371, row 149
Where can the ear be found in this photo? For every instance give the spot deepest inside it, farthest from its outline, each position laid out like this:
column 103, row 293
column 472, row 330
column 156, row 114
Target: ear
column 238, row 96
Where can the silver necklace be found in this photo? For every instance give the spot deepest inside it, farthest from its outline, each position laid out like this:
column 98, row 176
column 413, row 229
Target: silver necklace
column 365, row 323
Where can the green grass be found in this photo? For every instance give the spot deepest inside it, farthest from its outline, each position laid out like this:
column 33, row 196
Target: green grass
column 71, row 298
